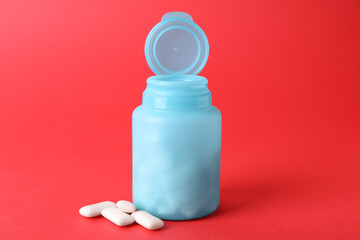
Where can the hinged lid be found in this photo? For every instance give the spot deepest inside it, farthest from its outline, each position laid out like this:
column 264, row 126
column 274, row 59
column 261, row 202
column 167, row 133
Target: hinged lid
column 176, row 45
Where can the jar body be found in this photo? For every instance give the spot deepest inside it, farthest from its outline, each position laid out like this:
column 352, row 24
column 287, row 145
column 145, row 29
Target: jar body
column 176, row 161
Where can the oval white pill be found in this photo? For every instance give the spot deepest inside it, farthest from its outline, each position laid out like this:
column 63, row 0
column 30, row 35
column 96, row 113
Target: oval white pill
column 147, row 220
column 94, row 210
column 126, row 206
column 118, row 217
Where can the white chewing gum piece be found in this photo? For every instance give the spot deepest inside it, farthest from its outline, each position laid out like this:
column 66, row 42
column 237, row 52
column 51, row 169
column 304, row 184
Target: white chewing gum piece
column 118, row 217
column 147, row 220
column 126, row 206
column 94, row 210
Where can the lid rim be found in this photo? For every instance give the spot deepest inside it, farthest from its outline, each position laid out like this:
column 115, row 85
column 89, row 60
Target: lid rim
column 159, row 29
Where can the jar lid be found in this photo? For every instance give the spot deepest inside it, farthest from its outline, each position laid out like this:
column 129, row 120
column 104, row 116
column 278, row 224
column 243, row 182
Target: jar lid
column 176, row 45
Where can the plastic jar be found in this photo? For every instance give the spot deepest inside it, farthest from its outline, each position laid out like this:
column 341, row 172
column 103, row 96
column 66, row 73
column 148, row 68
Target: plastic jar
column 176, row 142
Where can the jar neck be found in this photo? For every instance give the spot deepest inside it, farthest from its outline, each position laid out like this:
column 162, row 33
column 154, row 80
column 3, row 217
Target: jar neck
column 177, row 92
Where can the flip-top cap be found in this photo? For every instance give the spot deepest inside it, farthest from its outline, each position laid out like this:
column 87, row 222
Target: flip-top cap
column 176, row 45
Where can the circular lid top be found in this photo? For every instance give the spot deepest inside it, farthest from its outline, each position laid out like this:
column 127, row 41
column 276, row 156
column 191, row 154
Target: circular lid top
column 176, row 45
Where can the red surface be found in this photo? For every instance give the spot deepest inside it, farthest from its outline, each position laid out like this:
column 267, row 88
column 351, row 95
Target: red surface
column 285, row 75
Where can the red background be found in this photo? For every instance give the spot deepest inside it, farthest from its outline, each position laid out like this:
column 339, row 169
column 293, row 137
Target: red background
column 285, row 75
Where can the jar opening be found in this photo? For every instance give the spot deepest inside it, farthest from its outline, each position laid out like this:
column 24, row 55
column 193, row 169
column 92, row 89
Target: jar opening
column 177, row 80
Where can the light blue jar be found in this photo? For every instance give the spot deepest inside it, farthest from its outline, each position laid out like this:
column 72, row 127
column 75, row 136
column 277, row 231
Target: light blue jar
column 176, row 131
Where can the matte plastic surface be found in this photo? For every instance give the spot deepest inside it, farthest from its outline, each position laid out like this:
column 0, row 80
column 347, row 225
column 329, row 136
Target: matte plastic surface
column 176, row 149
